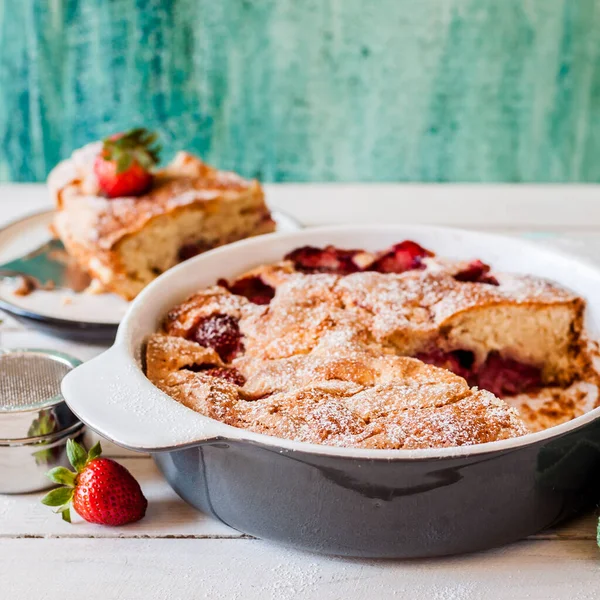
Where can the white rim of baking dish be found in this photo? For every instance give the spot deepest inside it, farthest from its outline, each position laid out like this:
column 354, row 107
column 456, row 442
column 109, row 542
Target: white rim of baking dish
column 112, row 395
column 36, row 309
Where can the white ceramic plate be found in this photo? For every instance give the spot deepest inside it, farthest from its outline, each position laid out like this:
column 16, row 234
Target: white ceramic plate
column 112, row 395
column 62, row 307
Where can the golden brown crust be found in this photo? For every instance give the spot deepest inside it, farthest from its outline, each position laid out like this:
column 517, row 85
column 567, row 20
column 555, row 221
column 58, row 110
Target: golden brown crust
column 341, row 398
column 167, row 354
column 325, row 361
column 181, row 318
column 413, row 312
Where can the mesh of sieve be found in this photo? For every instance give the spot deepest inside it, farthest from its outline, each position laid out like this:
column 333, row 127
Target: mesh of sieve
column 30, row 379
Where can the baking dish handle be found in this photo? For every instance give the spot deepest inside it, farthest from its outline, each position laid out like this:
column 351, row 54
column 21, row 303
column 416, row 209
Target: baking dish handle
column 113, row 397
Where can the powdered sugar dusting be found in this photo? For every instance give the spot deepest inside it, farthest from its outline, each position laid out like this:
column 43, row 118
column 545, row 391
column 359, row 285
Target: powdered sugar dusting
column 320, row 361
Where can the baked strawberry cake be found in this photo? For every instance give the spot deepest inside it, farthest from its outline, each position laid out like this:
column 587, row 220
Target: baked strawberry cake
column 393, row 349
column 126, row 221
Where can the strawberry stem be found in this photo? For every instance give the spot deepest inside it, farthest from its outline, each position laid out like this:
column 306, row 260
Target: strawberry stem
column 77, row 455
column 95, row 452
column 58, row 497
column 137, row 145
column 62, row 476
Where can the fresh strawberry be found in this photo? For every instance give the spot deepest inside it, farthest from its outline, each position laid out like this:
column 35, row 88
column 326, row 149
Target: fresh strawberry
column 101, row 490
column 123, row 167
column 251, row 287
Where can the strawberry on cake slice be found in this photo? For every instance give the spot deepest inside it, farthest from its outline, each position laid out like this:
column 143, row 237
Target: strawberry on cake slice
column 126, row 221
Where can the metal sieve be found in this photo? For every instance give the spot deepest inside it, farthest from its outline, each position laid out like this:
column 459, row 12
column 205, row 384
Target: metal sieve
column 35, row 421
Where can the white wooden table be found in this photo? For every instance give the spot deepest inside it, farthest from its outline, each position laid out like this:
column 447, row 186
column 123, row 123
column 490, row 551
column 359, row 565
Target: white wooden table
column 176, row 552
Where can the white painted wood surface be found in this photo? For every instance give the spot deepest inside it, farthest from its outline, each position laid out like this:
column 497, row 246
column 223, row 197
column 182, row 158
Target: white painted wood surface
column 177, row 552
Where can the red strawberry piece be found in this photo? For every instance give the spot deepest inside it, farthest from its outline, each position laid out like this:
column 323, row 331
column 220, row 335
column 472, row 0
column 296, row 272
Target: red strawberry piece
column 476, row 272
column 252, row 287
column 507, row 377
column 100, row 490
column 123, row 167
column 459, row 362
column 228, row 373
column 220, row 332
column 193, row 249
column 405, row 256
column 330, row 259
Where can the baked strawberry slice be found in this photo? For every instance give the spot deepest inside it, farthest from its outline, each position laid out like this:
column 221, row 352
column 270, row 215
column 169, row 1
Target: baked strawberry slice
column 124, row 165
column 405, row 256
column 192, row 249
column 309, row 259
column 251, row 287
column 100, row 490
column 507, row 377
column 476, row 272
column 460, row 362
column 219, row 332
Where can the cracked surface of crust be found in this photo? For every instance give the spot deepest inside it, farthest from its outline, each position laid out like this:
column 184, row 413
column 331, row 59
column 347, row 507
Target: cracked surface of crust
column 326, row 360
column 349, row 398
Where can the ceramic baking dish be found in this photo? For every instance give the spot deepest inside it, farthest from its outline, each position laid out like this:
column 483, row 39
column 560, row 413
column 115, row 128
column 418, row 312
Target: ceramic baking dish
column 375, row 503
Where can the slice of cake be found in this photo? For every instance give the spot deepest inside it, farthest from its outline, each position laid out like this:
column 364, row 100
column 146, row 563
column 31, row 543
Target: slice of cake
column 124, row 240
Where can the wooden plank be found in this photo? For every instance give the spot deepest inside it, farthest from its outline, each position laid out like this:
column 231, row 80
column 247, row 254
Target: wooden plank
column 167, row 516
column 515, row 207
column 251, row 569
column 582, row 527
column 21, row 199
column 19, row 337
column 531, row 207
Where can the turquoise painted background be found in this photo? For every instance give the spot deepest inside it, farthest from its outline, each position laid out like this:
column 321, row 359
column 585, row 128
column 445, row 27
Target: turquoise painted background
column 311, row 90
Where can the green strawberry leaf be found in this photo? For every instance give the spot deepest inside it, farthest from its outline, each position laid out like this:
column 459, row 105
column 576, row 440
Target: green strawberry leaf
column 58, row 497
column 76, row 454
column 62, row 476
column 66, row 514
column 137, row 145
column 124, row 163
column 95, row 452
column 143, row 159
